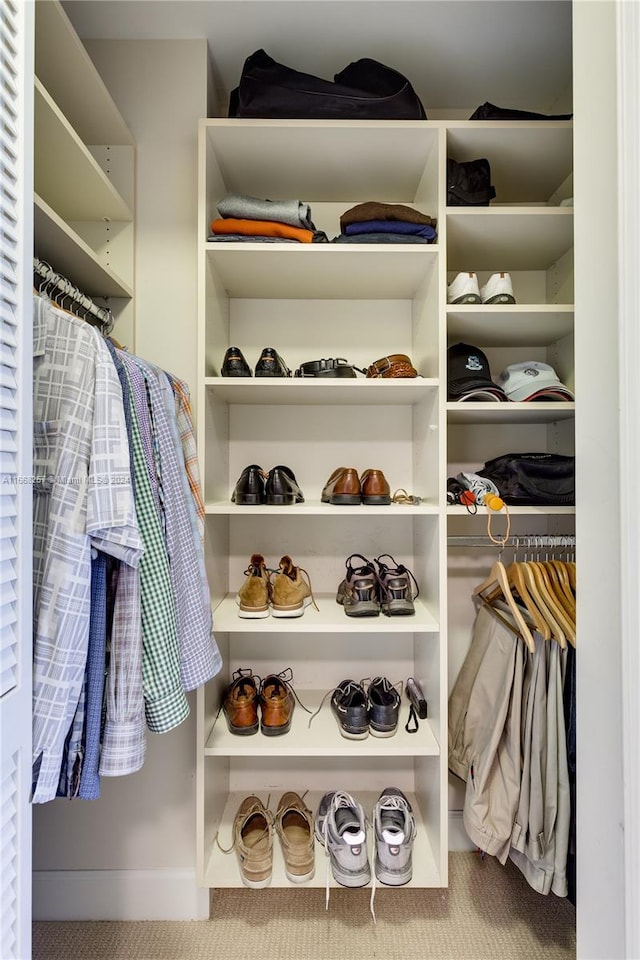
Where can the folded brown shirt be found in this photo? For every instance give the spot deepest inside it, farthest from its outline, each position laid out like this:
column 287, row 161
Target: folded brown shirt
column 374, row 210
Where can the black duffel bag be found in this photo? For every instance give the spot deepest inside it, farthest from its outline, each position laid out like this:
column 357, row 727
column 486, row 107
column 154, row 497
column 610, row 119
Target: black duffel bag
column 533, row 479
column 469, row 183
column 364, row 90
column 489, row 111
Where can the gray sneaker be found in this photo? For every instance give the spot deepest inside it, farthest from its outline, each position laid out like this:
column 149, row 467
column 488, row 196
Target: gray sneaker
column 395, row 830
column 358, row 592
column 341, row 828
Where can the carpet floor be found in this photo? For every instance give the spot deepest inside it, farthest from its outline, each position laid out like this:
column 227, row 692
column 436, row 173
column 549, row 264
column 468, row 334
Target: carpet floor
column 488, row 912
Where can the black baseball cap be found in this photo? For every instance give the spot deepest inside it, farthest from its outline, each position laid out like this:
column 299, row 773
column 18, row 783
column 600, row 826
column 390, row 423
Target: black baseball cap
column 469, row 375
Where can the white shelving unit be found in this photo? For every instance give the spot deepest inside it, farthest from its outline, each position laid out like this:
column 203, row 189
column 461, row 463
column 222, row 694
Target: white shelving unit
column 361, row 303
column 83, row 169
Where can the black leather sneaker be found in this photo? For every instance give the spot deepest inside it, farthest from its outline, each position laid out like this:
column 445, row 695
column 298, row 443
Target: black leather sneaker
column 281, row 488
column 384, row 707
column 271, row 364
column 234, row 364
column 349, row 706
column 249, row 490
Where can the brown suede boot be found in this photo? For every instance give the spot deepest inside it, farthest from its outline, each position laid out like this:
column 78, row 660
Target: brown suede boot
column 254, row 594
column 291, row 593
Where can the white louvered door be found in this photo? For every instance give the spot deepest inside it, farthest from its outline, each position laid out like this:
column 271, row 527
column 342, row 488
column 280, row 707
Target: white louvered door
column 16, row 246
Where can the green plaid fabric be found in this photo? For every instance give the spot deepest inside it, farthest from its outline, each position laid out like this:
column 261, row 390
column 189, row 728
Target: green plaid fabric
column 166, row 703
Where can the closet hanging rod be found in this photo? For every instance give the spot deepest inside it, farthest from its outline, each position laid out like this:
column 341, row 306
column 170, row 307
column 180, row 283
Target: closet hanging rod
column 531, row 541
column 55, row 280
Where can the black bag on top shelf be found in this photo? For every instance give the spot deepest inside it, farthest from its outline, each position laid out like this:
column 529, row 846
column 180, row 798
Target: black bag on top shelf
column 488, row 111
column 364, row 90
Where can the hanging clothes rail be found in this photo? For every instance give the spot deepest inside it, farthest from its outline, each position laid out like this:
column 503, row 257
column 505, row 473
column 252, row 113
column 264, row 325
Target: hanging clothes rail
column 530, row 541
column 56, row 281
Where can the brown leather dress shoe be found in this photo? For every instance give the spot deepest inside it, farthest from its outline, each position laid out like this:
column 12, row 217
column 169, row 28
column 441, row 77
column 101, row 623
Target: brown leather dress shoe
column 342, row 487
column 374, row 488
column 240, row 704
column 277, row 703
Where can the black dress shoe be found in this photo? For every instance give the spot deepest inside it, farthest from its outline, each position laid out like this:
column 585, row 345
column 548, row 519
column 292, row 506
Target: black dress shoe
column 271, row 364
column 234, row 364
column 281, row 488
column 249, row 490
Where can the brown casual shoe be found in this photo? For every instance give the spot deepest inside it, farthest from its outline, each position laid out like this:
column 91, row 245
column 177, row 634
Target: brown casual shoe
column 374, row 487
column 294, row 827
column 253, row 842
column 240, row 704
column 342, row 487
column 291, row 592
column 254, row 594
column 277, row 703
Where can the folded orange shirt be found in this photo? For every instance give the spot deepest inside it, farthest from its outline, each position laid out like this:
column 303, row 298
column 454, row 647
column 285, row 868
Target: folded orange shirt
column 261, row 228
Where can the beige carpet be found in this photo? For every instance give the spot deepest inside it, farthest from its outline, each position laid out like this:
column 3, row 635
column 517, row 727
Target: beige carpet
column 488, row 912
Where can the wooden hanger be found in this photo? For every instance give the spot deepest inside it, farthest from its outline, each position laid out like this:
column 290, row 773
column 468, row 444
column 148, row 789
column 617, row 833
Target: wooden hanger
column 538, row 591
column 498, row 577
column 564, row 625
column 517, row 581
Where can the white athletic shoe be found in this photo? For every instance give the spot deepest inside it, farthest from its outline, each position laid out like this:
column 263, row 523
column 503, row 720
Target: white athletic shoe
column 498, row 289
column 464, row 289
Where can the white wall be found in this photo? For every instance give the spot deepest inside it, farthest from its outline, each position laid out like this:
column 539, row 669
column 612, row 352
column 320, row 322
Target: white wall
column 600, row 820
column 145, row 822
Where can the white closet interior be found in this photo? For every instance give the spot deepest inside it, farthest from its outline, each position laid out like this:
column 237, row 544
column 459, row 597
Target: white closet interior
column 363, row 304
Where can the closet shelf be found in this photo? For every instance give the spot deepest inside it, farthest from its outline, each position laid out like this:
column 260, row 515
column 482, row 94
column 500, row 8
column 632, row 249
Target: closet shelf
column 66, row 174
column 510, row 412
column 222, row 870
column 507, row 238
column 528, row 162
column 57, row 243
column 335, row 160
column 523, row 324
column 316, row 391
column 459, row 511
column 322, row 738
column 329, row 618
column 78, row 89
column 314, row 508
column 328, row 271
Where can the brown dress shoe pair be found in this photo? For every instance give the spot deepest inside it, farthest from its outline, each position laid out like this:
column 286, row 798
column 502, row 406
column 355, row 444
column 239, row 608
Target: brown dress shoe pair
column 345, row 487
column 244, row 697
column 253, row 829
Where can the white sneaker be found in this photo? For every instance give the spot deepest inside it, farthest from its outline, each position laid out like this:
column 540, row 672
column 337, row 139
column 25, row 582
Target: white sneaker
column 498, row 289
column 464, row 289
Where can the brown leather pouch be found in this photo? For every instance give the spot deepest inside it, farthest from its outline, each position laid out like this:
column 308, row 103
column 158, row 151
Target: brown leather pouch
column 395, row 365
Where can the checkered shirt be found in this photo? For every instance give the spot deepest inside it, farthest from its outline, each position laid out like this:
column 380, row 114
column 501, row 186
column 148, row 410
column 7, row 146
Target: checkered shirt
column 166, row 703
column 199, row 655
column 189, row 450
column 82, row 497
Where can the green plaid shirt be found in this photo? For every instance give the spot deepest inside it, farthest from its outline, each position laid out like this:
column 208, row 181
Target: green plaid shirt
column 166, row 703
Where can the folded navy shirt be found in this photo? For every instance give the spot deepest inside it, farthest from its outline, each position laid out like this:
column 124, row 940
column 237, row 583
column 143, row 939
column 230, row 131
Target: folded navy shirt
column 391, row 226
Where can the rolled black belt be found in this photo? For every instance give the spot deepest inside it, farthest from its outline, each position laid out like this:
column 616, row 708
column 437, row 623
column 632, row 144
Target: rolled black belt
column 333, row 367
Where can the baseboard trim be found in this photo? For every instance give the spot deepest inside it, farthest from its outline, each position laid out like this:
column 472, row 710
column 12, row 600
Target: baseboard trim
column 118, row 895
column 458, row 838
